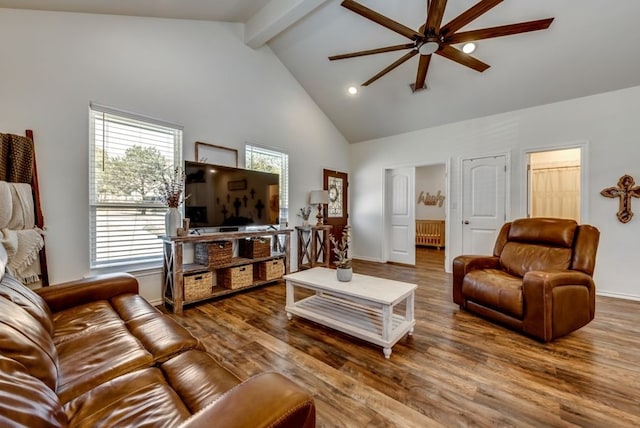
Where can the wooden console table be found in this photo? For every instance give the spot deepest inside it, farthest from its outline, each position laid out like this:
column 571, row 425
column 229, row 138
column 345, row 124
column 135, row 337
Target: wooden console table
column 313, row 246
column 174, row 268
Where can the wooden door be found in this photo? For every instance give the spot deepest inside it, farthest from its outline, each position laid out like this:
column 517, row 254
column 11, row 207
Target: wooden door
column 400, row 208
column 336, row 215
column 484, row 203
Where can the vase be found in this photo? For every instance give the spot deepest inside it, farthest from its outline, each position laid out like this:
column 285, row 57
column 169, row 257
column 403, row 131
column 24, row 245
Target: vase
column 172, row 221
column 344, row 274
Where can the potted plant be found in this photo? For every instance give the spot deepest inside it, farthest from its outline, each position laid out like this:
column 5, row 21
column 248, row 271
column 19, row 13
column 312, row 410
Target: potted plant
column 344, row 270
column 305, row 213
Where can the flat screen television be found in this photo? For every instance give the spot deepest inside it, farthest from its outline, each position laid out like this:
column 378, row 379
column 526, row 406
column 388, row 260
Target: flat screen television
column 228, row 199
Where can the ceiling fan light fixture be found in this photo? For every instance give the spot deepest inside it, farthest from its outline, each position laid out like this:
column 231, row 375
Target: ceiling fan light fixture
column 469, row 48
column 352, row 90
column 428, row 47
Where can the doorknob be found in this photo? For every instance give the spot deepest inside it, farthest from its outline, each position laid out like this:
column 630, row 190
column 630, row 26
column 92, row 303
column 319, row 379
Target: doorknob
column 466, row 222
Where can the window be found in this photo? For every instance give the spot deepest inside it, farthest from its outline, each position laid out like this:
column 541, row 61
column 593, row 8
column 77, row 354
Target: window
column 129, row 155
column 261, row 159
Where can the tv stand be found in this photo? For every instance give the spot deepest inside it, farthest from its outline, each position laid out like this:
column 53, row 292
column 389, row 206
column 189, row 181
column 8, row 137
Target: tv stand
column 174, row 269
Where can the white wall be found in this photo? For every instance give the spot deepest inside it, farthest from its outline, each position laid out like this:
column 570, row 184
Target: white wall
column 430, row 181
column 607, row 123
column 194, row 73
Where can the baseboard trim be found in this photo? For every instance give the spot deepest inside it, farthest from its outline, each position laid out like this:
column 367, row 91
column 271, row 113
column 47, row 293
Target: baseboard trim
column 623, row 296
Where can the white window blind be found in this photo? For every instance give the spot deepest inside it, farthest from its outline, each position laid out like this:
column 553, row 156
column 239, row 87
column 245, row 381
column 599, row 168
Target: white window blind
column 129, row 155
column 261, row 159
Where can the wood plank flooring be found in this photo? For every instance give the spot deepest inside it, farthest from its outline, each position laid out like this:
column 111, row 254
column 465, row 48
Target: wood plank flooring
column 456, row 370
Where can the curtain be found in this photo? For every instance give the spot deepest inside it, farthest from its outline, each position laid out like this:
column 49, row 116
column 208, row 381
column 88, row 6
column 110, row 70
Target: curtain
column 555, row 192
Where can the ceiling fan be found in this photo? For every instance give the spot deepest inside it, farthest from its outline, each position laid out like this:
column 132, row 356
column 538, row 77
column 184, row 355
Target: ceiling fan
column 432, row 38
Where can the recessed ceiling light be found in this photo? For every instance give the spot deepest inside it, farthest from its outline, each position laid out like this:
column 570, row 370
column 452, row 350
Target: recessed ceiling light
column 352, row 90
column 468, row 48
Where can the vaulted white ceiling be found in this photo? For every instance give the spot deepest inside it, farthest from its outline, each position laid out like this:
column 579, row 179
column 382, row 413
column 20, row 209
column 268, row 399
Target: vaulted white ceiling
column 592, row 46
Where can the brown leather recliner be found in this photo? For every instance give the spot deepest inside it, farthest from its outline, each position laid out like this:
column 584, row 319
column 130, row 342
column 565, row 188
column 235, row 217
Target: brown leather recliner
column 538, row 281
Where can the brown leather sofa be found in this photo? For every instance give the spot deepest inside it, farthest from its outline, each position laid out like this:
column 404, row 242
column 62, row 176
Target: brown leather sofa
column 538, row 281
column 94, row 353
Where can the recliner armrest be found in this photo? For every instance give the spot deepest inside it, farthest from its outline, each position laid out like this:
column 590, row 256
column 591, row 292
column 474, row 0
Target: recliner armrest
column 101, row 287
column 465, row 264
column 546, row 291
column 265, row 400
column 540, row 280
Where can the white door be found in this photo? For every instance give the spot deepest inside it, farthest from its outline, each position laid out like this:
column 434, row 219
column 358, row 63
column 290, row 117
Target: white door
column 401, row 225
column 483, row 199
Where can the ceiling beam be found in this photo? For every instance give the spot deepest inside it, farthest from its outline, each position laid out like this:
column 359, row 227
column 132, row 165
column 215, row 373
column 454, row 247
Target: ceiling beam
column 275, row 17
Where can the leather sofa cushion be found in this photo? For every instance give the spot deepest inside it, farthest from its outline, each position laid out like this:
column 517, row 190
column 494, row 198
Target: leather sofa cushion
column 140, row 398
column 96, row 357
column 162, row 336
column 198, row 378
column 14, row 290
column 83, row 319
column 132, row 306
column 159, row 334
column 496, row 289
column 517, row 258
column 26, row 400
column 25, row 340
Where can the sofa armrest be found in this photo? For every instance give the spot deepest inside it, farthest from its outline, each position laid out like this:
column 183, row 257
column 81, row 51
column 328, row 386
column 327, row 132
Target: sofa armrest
column 265, row 400
column 557, row 302
column 101, row 287
column 465, row 264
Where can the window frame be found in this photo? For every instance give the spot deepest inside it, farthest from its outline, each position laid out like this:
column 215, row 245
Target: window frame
column 147, row 253
column 284, row 176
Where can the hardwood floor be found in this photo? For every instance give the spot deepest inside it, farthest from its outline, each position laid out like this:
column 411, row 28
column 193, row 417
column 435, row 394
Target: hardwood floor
column 456, row 370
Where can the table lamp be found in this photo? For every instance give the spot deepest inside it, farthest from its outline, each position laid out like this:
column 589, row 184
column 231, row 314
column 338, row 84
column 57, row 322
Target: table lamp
column 319, row 197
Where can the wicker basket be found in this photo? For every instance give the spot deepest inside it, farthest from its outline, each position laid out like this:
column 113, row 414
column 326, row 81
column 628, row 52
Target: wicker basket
column 236, row 277
column 198, row 286
column 213, row 254
column 255, row 248
column 271, row 269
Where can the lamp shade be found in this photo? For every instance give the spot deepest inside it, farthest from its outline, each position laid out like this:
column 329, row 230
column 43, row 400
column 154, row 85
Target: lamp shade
column 319, row 197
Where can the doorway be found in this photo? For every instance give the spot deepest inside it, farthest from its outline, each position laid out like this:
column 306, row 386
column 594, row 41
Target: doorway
column 413, row 194
column 484, row 202
column 554, row 183
column 336, row 183
column 400, row 215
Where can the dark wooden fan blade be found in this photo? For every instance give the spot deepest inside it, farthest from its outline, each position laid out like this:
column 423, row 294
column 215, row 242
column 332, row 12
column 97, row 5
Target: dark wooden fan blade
column 434, row 16
column 503, row 30
column 381, row 19
column 373, row 51
column 469, row 15
column 404, row 58
column 423, row 68
column 462, row 58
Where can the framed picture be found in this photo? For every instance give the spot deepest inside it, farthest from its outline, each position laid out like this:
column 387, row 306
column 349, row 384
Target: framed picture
column 237, row 184
column 217, row 155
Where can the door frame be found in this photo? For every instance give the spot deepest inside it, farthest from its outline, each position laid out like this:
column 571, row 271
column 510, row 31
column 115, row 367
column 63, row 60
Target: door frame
column 386, row 220
column 583, row 145
column 460, row 199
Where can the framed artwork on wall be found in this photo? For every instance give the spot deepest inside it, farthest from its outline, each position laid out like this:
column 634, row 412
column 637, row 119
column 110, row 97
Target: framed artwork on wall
column 217, row 155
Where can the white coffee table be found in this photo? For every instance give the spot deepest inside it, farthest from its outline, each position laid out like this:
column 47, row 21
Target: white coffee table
column 362, row 307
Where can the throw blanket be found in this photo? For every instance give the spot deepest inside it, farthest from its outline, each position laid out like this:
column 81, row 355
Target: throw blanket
column 16, row 158
column 18, row 234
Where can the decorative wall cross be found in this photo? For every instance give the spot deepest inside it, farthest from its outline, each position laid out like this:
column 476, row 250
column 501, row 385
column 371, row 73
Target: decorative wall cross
column 625, row 191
